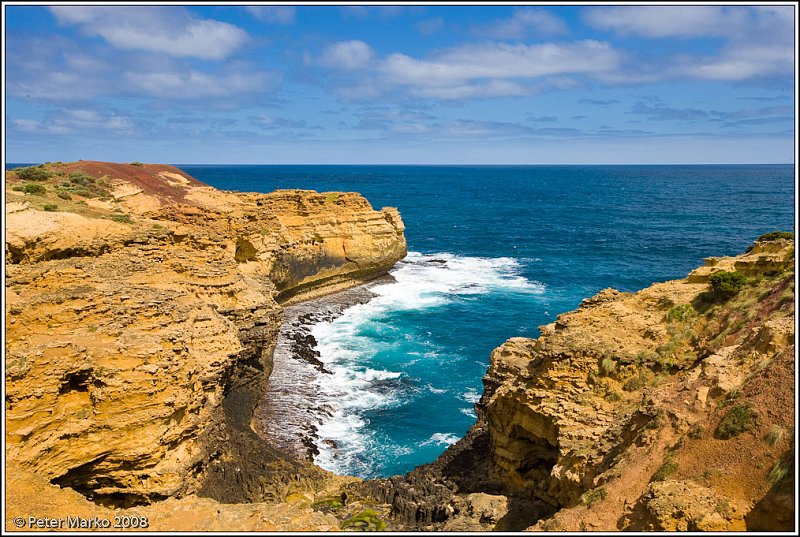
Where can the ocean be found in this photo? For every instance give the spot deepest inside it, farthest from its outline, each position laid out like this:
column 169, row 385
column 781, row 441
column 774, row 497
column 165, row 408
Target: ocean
column 495, row 252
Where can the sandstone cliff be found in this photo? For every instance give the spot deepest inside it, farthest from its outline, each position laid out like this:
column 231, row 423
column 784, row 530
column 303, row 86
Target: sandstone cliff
column 141, row 312
column 671, row 408
column 142, row 306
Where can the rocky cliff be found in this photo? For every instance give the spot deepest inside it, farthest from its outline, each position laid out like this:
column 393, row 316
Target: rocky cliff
column 142, row 306
column 670, row 408
column 141, row 312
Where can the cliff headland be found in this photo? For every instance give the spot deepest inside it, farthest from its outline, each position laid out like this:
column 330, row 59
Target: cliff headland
column 141, row 315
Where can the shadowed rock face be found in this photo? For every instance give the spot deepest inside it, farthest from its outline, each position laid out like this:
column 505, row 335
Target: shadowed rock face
column 624, row 387
column 137, row 346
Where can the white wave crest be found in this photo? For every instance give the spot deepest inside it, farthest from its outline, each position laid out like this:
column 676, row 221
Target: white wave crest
column 349, row 342
column 441, row 439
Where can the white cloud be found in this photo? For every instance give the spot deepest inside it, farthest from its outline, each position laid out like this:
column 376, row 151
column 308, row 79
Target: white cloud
column 758, row 41
column 167, row 30
column 348, row 55
column 273, row 14
column 78, row 121
column 194, row 84
column 667, row 21
column 457, row 66
column 484, row 70
column 522, row 23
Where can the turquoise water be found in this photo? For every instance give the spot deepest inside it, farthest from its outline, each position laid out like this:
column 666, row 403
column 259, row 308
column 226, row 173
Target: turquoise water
column 496, row 252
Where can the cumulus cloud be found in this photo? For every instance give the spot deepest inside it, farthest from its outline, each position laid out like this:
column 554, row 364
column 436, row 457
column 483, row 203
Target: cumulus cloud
column 273, row 14
column 78, row 121
column 482, row 70
column 522, row 23
column 348, row 55
column 492, row 68
column 166, row 30
column 191, row 84
column 667, row 21
column 758, row 41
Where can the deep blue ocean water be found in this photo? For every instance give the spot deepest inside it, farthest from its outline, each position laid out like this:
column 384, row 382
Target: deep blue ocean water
column 495, row 252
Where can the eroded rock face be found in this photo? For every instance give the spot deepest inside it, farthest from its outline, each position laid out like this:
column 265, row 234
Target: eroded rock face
column 125, row 336
column 573, row 426
column 563, row 409
column 687, row 506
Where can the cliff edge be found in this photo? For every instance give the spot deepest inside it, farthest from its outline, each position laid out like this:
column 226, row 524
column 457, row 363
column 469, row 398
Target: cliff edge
column 667, row 409
column 141, row 310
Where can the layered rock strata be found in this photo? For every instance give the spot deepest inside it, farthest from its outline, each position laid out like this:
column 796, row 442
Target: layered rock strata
column 630, row 389
column 140, row 324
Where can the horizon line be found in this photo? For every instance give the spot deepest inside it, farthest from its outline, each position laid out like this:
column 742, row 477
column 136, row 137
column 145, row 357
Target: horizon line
column 428, row 164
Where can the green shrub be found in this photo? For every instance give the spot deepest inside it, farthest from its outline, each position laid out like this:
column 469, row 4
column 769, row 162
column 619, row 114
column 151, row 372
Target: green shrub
column 696, row 432
column 33, row 173
column 665, row 470
column 328, row 504
column 593, row 496
column 366, row 520
column 50, row 207
column 30, row 188
column 724, row 284
column 608, row 366
column 739, row 419
column 121, row 218
column 633, row 384
column 64, row 196
column 81, row 178
column 137, row 164
column 780, row 471
column 681, row 313
column 776, row 235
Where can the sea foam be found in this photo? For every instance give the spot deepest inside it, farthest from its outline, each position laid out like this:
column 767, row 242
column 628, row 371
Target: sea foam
column 349, row 344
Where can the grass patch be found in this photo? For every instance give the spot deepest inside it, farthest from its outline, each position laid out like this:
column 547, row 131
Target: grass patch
column 328, row 504
column 121, row 218
column 50, row 207
column 696, row 432
column 594, row 496
column 775, row 435
column 739, row 419
column 607, row 366
column 780, row 471
column 366, row 520
column 681, row 314
column 665, row 470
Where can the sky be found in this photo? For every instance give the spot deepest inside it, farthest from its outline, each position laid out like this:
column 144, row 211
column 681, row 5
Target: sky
column 376, row 84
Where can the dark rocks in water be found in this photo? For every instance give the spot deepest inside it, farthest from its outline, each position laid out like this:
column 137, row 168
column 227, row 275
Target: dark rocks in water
column 440, row 261
column 398, row 386
column 330, row 443
column 304, row 349
column 311, row 446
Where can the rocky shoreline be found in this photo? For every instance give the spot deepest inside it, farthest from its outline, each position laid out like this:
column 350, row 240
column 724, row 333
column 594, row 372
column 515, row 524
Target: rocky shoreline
column 143, row 330
column 288, row 414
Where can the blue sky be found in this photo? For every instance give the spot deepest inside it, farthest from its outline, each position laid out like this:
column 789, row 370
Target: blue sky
column 516, row 84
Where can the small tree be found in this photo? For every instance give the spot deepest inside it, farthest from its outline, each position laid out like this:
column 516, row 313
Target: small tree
column 725, row 285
